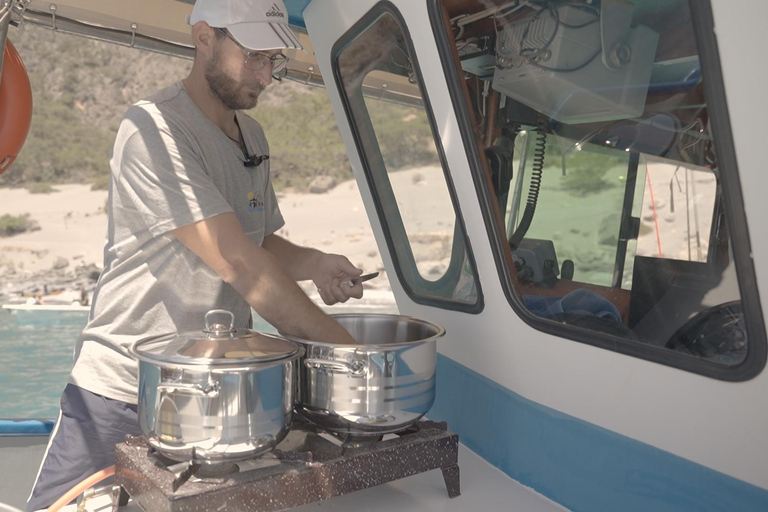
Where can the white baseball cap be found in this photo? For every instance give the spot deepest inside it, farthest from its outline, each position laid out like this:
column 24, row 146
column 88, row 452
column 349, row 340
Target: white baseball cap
column 256, row 24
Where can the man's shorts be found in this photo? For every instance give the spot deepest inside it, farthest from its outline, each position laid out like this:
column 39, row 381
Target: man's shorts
column 82, row 443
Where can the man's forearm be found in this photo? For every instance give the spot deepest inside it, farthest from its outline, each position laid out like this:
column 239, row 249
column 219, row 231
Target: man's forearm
column 259, row 277
column 297, row 261
column 279, row 300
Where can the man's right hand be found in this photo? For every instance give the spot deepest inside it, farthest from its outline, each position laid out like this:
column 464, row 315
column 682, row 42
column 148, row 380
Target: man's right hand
column 332, row 276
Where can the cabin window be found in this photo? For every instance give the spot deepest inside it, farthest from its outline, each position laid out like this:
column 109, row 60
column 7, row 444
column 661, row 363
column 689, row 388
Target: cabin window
column 397, row 142
column 612, row 175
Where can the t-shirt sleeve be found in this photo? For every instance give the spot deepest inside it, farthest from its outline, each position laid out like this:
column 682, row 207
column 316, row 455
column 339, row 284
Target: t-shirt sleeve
column 163, row 178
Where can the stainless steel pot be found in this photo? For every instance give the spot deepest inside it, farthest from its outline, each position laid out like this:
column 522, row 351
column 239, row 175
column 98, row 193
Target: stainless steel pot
column 382, row 385
column 218, row 396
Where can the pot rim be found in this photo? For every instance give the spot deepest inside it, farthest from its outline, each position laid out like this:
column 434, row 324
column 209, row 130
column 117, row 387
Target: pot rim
column 211, row 365
column 373, row 346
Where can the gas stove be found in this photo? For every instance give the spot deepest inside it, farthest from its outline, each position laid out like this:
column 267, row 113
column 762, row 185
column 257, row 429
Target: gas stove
column 309, row 465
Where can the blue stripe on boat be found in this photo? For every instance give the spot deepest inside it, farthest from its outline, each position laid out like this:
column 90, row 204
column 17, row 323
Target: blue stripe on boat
column 10, row 428
column 575, row 463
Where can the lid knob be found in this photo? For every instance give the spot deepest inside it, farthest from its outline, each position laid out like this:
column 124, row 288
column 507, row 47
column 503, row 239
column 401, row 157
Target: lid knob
column 219, row 329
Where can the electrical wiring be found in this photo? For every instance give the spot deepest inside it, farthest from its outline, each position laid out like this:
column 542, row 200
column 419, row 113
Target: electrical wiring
column 407, row 68
column 698, row 140
column 569, row 70
column 491, row 11
column 460, row 21
column 533, row 55
column 455, row 25
column 582, row 7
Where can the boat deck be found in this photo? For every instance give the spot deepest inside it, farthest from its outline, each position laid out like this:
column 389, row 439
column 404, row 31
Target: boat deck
column 483, row 487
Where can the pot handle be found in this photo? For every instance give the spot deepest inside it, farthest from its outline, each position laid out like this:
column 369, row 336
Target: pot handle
column 356, row 367
column 210, row 390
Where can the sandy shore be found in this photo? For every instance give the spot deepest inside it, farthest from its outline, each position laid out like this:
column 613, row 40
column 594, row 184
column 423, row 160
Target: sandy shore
column 73, row 224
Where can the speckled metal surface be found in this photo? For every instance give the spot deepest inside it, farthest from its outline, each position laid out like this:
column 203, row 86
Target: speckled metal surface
column 305, row 467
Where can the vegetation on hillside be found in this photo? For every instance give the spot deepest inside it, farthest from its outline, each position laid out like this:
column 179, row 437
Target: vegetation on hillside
column 82, row 87
column 305, row 142
column 60, row 148
column 403, row 135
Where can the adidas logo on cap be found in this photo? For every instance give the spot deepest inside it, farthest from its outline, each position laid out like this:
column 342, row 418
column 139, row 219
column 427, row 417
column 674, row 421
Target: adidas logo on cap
column 275, row 12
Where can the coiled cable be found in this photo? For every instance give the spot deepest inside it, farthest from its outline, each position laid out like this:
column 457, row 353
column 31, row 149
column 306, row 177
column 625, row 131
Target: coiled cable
column 535, row 185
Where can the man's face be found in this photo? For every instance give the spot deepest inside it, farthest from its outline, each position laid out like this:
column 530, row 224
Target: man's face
column 237, row 87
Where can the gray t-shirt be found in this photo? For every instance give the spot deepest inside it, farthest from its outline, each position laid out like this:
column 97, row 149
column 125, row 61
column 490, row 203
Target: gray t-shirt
column 171, row 166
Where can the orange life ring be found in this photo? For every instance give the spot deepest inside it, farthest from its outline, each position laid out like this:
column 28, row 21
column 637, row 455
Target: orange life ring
column 15, row 106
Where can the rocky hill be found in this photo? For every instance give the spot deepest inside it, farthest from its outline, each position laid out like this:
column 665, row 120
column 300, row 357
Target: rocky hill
column 81, row 88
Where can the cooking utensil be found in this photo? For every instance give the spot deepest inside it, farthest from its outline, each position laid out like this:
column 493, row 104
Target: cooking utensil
column 218, row 396
column 363, row 278
column 383, row 384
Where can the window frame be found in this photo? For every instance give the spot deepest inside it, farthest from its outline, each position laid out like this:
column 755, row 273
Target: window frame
column 714, row 90
column 394, row 233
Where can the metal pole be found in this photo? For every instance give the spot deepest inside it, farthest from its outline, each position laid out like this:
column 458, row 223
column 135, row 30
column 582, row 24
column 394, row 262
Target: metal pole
column 628, row 228
column 5, row 22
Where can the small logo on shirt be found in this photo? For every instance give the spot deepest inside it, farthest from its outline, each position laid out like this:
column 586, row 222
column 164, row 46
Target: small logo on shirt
column 275, row 11
column 255, row 202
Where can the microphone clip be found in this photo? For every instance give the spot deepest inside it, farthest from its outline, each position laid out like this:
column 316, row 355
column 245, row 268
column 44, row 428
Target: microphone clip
column 255, row 160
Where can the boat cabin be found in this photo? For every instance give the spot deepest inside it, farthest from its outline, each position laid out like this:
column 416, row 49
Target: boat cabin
column 595, row 216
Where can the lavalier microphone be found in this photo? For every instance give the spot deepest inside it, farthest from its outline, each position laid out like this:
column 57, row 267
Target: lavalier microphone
column 255, row 160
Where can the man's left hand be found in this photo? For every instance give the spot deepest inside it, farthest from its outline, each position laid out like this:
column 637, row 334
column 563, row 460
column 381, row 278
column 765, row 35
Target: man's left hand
column 335, row 279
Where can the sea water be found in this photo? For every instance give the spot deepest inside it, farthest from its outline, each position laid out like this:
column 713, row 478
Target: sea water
column 36, row 350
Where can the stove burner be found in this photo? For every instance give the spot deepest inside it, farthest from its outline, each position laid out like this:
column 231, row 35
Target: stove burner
column 307, row 466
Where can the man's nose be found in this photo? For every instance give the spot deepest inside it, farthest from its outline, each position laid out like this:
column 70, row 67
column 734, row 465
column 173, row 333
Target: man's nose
column 264, row 75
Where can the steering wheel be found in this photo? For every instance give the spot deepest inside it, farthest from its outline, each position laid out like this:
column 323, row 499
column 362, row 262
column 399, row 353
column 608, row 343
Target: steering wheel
column 718, row 334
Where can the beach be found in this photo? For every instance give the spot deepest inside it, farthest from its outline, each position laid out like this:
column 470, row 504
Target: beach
column 68, row 246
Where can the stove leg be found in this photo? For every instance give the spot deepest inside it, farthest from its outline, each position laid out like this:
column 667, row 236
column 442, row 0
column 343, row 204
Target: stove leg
column 452, row 480
column 124, row 497
column 119, row 497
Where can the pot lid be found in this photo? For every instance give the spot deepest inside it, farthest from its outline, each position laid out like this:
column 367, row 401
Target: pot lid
column 216, row 345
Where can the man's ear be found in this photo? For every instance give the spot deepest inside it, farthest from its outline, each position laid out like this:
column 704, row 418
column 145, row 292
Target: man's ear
column 203, row 37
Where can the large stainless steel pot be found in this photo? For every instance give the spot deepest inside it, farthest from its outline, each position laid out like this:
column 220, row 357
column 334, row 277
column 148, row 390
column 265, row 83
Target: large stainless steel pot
column 218, row 396
column 382, row 385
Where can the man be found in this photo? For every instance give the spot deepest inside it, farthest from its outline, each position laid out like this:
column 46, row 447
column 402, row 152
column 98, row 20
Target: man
column 192, row 222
